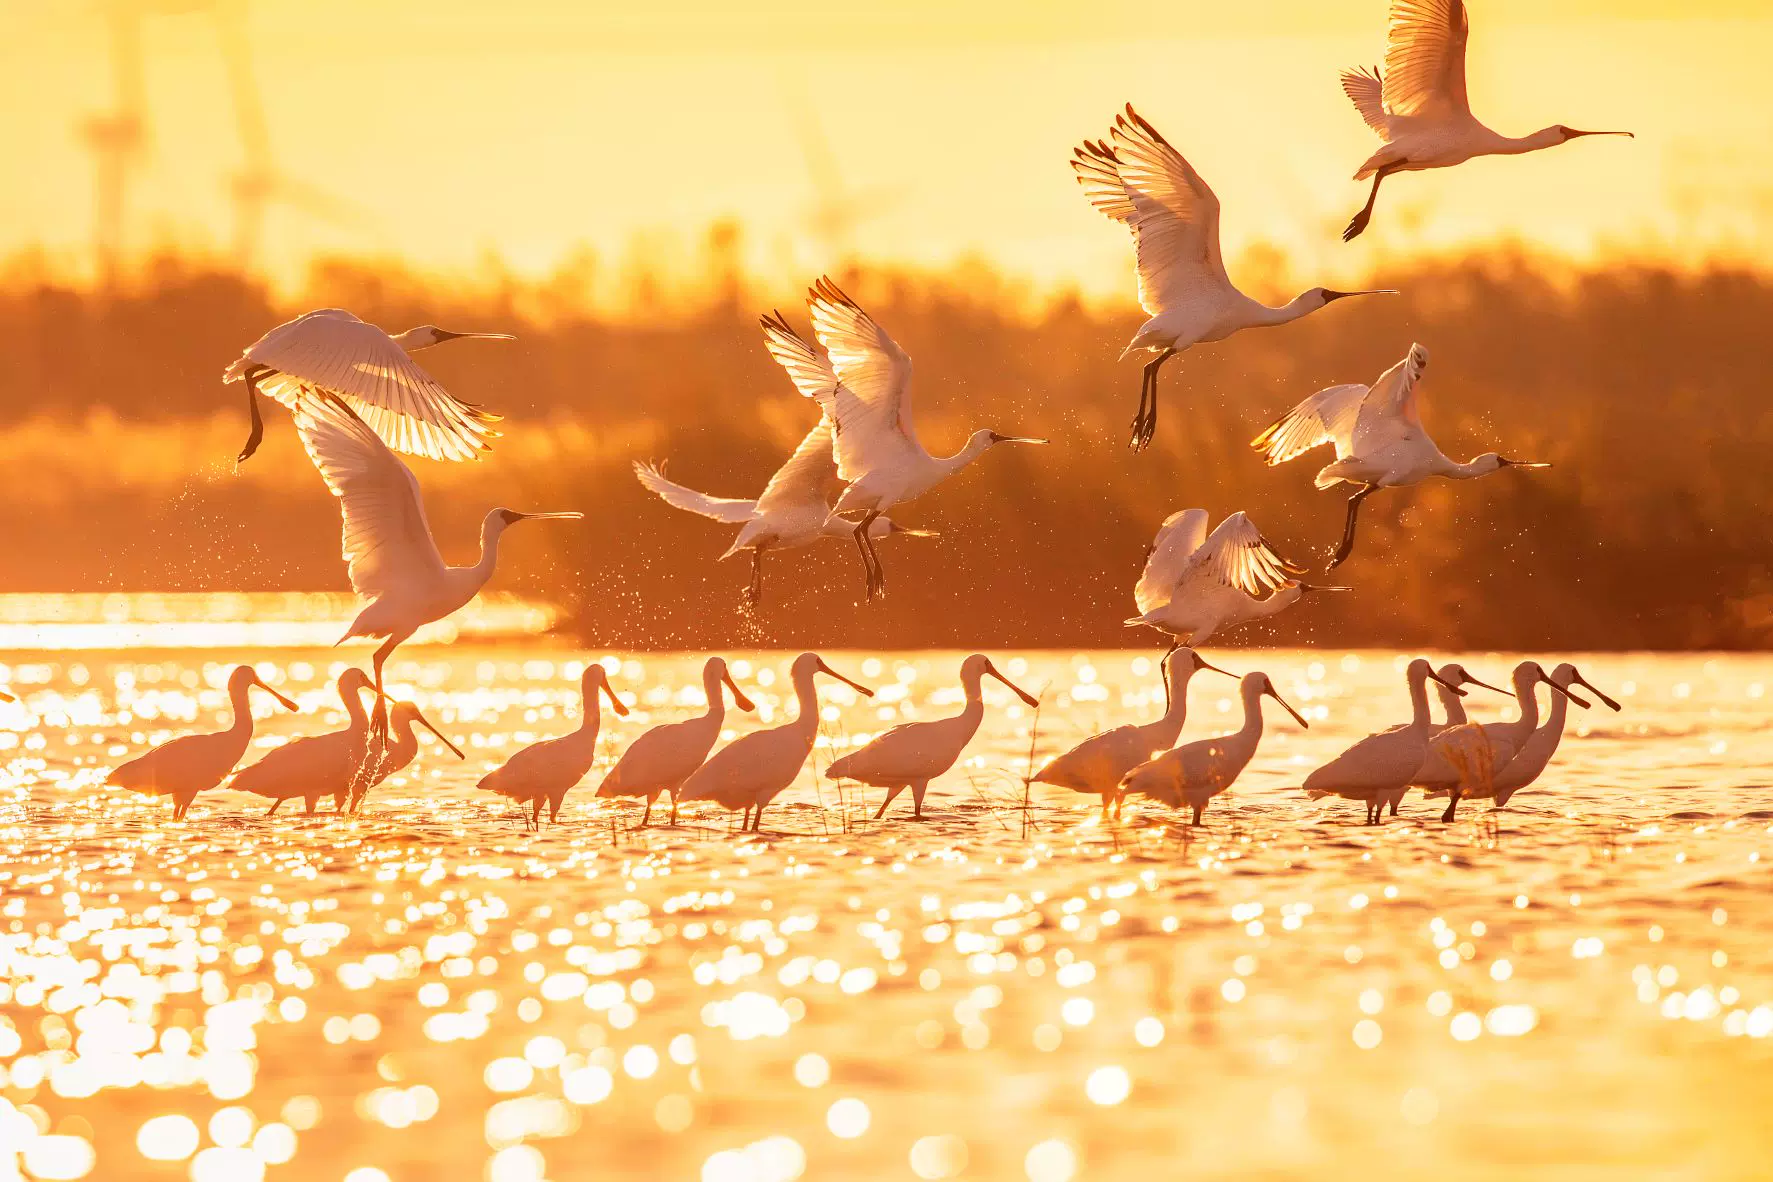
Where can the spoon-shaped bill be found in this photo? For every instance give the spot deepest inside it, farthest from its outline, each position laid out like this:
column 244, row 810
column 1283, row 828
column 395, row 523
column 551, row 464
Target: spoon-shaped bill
column 260, row 682
column 1439, row 680
column 1596, row 690
column 444, row 334
column 830, row 672
column 739, row 698
column 1019, row 691
column 1332, row 296
column 548, row 517
column 426, row 723
column 1297, row 717
column 1470, row 680
column 615, row 703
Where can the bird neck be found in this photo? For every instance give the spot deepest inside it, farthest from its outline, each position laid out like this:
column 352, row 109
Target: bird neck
column 1554, row 718
column 1279, row 600
column 352, row 697
column 974, row 448
column 1419, row 701
column 806, row 702
column 1303, row 304
column 1251, row 731
column 1453, row 470
column 411, row 341
column 590, row 708
column 715, row 691
column 1526, row 696
column 1177, row 712
column 241, row 703
column 481, row 571
column 1453, row 704
column 1510, row 145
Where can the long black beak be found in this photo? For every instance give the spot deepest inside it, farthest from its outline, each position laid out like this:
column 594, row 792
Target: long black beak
column 1297, row 717
column 1592, row 688
column 287, row 704
column 1204, row 664
column 1304, row 587
column 739, row 698
column 426, row 723
column 830, row 672
column 1470, row 680
column 443, row 334
column 549, row 516
column 1560, row 689
column 1508, row 463
column 1020, row 692
column 615, row 703
column 1572, row 133
column 1332, row 296
column 1439, row 680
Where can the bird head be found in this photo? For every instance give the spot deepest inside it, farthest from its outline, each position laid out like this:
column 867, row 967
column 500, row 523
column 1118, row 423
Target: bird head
column 1261, row 686
column 596, row 679
column 499, row 520
column 1317, row 297
column 426, row 335
column 1567, row 674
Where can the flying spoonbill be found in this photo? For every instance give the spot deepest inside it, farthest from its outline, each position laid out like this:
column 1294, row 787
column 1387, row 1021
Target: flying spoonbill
column 1419, row 107
column 401, row 749
column 1386, row 762
column 1195, row 584
column 1465, row 760
column 319, row 765
column 1532, row 756
column 912, row 754
column 543, row 772
column 1142, row 182
column 183, row 767
column 332, row 354
column 1379, row 437
column 1194, row 773
column 754, row 769
column 392, row 558
column 1097, row 764
column 873, row 437
column 660, row 760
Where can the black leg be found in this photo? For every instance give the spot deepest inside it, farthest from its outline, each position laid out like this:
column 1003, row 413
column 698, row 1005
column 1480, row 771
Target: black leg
column 257, row 434
column 1145, row 425
column 754, row 592
column 1452, row 804
column 1359, row 222
column 1198, row 810
column 1347, row 544
column 378, row 717
column 274, row 806
column 870, row 557
column 867, row 562
column 674, row 808
column 647, row 812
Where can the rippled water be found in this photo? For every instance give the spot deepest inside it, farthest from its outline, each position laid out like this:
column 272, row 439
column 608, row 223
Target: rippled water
column 1576, row 987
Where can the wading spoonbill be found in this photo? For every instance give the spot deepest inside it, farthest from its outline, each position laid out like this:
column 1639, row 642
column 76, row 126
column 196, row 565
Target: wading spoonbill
column 319, row 765
column 1466, row 760
column 1450, row 674
column 1194, row 773
column 1142, row 182
column 332, row 354
column 401, row 749
column 1419, row 107
column 1530, row 760
column 912, row 754
column 660, row 760
column 1386, row 762
column 754, row 769
column 1379, row 437
column 542, row 773
column 183, row 767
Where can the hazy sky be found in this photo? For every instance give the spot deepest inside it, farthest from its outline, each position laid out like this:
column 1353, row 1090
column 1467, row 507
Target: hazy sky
column 528, row 127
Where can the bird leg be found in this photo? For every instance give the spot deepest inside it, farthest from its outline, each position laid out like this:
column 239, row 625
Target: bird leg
column 861, row 533
column 917, row 791
column 311, row 802
column 745, row 821
column 535, row 812
column 891, row 793
column 674, row 809
column 257, row 434
column 274, row 806
column 1452, row 804
column 754, row 593
column 757, row 820
column 1395, row 798
column 870, row 557
column 553, row 810
column 1359, row 222
column 378, row 717
column 647, row 812
column 1145, row 422
column 1347, row 544
column 1163, row 666
column 1198, row 810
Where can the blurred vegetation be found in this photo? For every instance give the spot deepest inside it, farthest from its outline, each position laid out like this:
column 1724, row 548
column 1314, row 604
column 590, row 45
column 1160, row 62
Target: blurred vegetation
column 1644, row 386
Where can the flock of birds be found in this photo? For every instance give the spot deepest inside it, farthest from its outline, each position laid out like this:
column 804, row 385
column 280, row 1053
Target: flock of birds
column 357, row 398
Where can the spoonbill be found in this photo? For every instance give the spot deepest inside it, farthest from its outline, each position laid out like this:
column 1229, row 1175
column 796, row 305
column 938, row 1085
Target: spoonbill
column 319, row 765
column 1532, row 756
column 401, row 749
column 1419, row 107
column 912, row 754
column 660, row 760
column 183, row 767
column 1196, row 772
column 1142, row 182
column 1386, row 762
column 1450, row 674
column 1195, row 584
column 1379, row 437
column 873, row 437
column 1465, row 760
column 392, row 558
column 543, row 772
column 1097, row 764
column 330, row 354
column 754, row 769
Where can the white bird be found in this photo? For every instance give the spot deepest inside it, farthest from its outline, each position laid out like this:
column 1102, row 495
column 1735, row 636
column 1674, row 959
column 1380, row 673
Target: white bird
column 793, row 510
column 392, row 558
column 1453, row 704
column 401, row 749
column 1379, row 437
column 544, row 772
column 754, row 769
column 1142, row 182
column 1530, row 760
column 1098, row 764
column 332, row 354
column 1419, row 107
column 912, row 754
column 1195, row 584
column 1194, row 773
column 873, row 437
column 183, row 767
column 1465, row 760
column 319, row 765
column 1386, row 762
column 660, row 760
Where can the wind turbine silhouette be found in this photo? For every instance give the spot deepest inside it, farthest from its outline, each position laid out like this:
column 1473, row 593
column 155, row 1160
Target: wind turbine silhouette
column 836, row 209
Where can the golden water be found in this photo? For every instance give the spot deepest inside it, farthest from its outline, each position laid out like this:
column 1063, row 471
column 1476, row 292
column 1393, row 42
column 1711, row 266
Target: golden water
column 1580, row 986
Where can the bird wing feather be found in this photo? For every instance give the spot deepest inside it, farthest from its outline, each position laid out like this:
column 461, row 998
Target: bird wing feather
column 1425, row 58
column 799, row 484
column 1366, row 90
column 1329, row 416
column 728, row 509
column 1177, row 539
column 1236, row 555
column 1390, row 414
column 871, row 405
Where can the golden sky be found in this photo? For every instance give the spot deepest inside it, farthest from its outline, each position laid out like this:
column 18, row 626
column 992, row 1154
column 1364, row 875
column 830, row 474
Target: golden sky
column 452, row 130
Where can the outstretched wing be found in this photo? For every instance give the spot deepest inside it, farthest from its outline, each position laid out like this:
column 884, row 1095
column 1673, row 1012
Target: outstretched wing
column 387, row 541
column 812, row 374
column 1366, row 90
column 1425, row 58
column 800, row 483
column 1177, row 539
column 1390, row 413
column 334, row 352
column 677, row 496
column 1141, row 181
column 1328, row 416
column 872, row 402
column 1237, row 555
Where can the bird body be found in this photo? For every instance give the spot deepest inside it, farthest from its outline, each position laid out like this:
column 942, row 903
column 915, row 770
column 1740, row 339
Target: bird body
column 1098, row 764
column 542, row 773
column 754, row 769
column 1379, row 439
column 1532, row 756
column 331, row 355
column 1418, row 105
column 1465, row 760
column 1144, row 183
column 401, row 749
column 1194, row 773
column 1385, row 762
column 914, row 753
column 660, row 760
column 1195, row 584
column 183, row 767
column 319, row 765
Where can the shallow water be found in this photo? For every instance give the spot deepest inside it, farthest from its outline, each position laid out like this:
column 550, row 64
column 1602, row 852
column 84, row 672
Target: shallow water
column 1579, row 986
